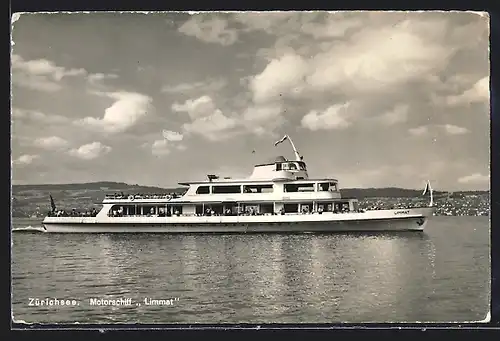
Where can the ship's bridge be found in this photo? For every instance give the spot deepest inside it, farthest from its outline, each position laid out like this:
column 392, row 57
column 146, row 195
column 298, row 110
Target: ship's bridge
column 280, row 169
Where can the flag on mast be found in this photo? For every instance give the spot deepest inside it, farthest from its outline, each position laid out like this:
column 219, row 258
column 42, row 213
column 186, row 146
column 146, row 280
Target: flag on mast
column 52, row 203
column 280, row 141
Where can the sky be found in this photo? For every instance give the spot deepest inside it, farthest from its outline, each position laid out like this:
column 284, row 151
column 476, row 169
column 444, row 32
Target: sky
column 373, row 99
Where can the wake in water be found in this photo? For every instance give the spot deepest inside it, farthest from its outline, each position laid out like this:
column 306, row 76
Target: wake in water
column 29, row 229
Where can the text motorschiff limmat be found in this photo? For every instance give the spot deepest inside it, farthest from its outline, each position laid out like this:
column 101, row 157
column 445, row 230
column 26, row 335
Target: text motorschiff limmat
column 129, row 302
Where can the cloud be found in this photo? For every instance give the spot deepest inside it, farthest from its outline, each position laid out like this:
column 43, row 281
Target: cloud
column 371, row 60
column 367, row 62
column 51, row 143
column 45, row 75
column 331, row 29
column 215, row 126
column 269, row 22
column 164, row 146
column 448, row 129
column 209, row 29
column 325, row 59
column 210, row 86
column 454, row 130
column 172, row 136
column 160, row 148
column 376, row 59
column 419, row 131
column 37, row 116
column 40, row 74
column 261, row 119
column 25, row 159
column 281, row 76
column 206, row 120
column 476, row 178
column 356, row 58
column 332, row 118
column 44, row 67
column 398, row 114
column 96, row 79
column 34, row 82
column 90, row 151
column 196, row 108
column 124, row 113
column 478, row 93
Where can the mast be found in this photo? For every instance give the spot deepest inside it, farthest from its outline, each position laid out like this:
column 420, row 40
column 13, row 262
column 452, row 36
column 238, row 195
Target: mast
column 297, row 155
column 286, row 137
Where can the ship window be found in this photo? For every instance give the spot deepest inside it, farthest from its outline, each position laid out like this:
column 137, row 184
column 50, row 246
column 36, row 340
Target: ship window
column 258, row 188
column 203, row 190
column 302, row 166
column 278, row 166
column 322, row 187
column 116, row 211
column 199, row 210
column 292, row 166
column 173, row 210
column 333, row 187
column 306, row 207
column 226, row 189
column 266, row 208
column 149, row 210
column 307, row 187
column 131, row 210
column 291, row 208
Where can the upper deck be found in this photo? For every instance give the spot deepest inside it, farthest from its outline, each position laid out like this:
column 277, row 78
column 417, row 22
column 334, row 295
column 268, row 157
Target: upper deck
column 278, row 179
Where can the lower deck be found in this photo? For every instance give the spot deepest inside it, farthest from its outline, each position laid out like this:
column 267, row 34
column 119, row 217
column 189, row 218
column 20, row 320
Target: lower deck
column 232, row 208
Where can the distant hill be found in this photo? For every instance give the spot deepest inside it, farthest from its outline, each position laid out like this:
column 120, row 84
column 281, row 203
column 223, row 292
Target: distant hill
column 102, row 185
column 28, row 199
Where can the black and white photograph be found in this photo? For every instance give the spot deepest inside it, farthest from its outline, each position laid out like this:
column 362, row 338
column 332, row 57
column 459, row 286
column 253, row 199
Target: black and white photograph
column 250, row 167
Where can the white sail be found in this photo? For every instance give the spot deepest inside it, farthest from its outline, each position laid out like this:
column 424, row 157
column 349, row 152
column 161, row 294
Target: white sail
column 428, row 189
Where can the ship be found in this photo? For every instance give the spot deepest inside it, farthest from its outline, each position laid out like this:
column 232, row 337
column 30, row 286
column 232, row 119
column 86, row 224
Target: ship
column 277, row 197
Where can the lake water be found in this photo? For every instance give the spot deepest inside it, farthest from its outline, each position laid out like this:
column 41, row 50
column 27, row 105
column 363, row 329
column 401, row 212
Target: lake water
column 441, row 275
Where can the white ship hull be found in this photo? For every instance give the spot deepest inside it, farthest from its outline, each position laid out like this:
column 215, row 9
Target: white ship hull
column 370, row 221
